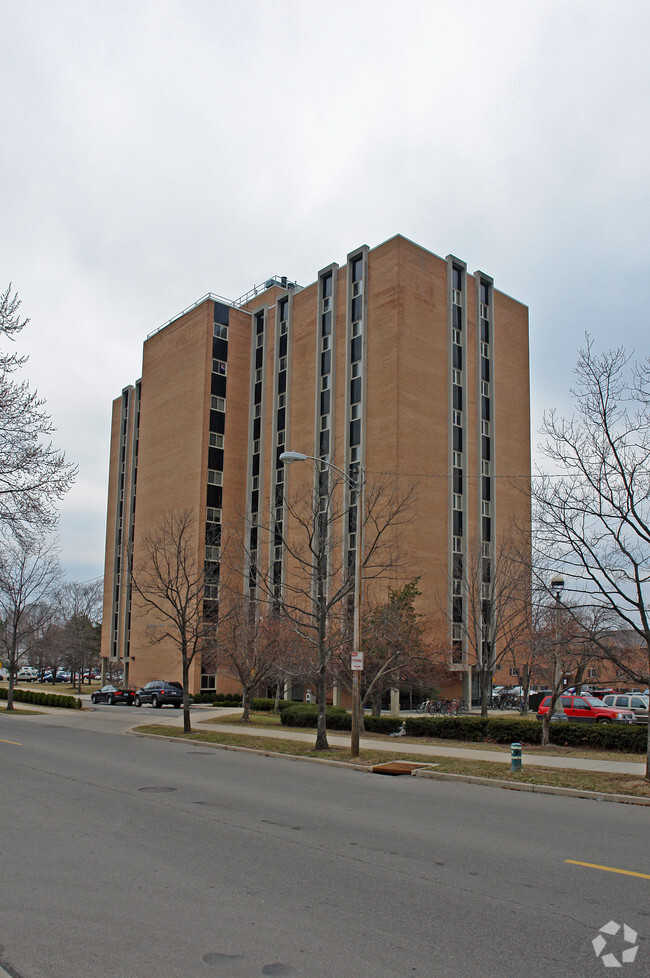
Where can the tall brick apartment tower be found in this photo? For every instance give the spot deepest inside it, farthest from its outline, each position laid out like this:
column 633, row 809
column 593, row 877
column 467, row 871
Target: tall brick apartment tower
column 398, row 360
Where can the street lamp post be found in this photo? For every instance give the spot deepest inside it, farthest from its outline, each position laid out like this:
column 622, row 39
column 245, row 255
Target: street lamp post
column 359, row 487
column 557, row 586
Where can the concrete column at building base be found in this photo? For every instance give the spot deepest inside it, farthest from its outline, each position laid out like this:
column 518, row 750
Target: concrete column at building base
column 394, row 702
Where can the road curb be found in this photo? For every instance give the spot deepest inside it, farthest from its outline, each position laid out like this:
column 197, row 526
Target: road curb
column 364, row 768
column 542, row 789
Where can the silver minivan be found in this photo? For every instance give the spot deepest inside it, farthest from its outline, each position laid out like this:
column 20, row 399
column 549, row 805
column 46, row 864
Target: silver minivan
column 636, row 702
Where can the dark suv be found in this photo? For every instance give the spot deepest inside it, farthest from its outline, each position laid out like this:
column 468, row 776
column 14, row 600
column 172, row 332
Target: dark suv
column 159, row 693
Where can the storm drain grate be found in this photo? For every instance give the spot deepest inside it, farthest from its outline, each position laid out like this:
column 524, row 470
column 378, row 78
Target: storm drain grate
column 397, row 767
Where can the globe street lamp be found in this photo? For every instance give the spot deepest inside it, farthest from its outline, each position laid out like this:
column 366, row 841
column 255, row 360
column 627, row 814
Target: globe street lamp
column 358, row 486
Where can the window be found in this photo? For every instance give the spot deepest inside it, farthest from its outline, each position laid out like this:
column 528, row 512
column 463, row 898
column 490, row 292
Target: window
column 259, row 340
column 355, row 411
column 485, row 550
column 217, row 403
column 257, row 411
column 221, row 331
column 457, row 460
column 325, row 382
column 457, row 544
column 256, row 446
column 457, row 377
column 485, row 388
column 283, row 363
column 485, row 428
column 457, row 588
column 457, row 500
column 356, row 288
column 485, row 467
column 457, row 336
column 282, row 400
column 259, row 373
column 215, row 478
column 356, row 370
column 456, row 297
column 514, row 672
column 456, row 631
column 485, row 350
column 326, row 303
column 485, row 508
column 216, row 440
column 356, row 329
column 255, row 483
column 213, row 515
column 212, row 553
column 458, row 418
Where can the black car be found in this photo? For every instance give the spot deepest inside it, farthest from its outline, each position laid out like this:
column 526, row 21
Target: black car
column 111, row 695
column 160, row 693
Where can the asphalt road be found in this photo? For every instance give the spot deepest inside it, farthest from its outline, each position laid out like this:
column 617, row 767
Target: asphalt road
column 131, row 858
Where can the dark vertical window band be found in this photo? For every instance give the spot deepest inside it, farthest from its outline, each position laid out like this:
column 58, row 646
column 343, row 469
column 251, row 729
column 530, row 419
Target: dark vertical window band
column 457, row 358
column 122, row 526
column 356, row 322
column 135, row 443
column 325, row 360
column 485, row 461
column 214, row 490
column 254, row 505
column 280, row 440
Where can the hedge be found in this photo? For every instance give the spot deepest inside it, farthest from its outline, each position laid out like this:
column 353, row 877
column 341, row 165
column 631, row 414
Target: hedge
column 43, row 699
column 505, row 730
column 306, row 715
column 474, row 729
column 336, row 718
column 265, row 704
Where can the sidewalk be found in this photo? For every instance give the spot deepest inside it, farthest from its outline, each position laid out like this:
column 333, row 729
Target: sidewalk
column 396, row 744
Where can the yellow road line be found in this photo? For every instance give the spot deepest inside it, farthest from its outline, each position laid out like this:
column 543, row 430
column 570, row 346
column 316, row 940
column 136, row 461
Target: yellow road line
column 14, row 742
column 608, row 869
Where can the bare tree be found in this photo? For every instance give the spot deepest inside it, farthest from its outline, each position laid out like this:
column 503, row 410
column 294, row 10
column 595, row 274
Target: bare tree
column 594, row 510
column 251, row 646
column 175, row 589
column 319, row 581
column 33, row 474
column 394, row 644
column 29, row 574
column 496, row 590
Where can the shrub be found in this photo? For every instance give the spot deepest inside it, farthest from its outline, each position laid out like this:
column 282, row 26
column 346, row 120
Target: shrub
column 43, row 699
column 382, row 725
column 448, row 728
column 306, row 715
column 265, row 704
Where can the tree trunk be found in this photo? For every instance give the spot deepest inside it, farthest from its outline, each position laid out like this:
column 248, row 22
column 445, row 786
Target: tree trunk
column 246, row 705
column 187, row 726
column 485, row 677
column 525, row 687
column 376, row 706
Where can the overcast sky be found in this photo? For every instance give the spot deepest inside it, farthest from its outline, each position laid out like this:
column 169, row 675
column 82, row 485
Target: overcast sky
column 155, row 151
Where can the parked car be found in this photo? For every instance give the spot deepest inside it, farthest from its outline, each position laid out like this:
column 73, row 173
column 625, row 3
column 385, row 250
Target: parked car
column 111, row 695
column 629, row 701
column 587, row 709
column 27, row 674
column 160, row 693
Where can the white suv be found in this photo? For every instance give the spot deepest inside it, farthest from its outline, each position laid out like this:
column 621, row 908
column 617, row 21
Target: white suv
column 636, row 702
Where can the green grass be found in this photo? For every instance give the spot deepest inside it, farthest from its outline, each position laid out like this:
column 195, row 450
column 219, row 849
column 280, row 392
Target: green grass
column 623, row 784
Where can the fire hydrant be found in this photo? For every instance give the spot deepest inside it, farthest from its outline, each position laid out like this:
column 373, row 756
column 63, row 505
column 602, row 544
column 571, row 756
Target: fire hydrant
column 515, row 757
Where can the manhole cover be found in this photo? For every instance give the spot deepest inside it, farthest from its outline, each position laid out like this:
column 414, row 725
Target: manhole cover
column 157, row 789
